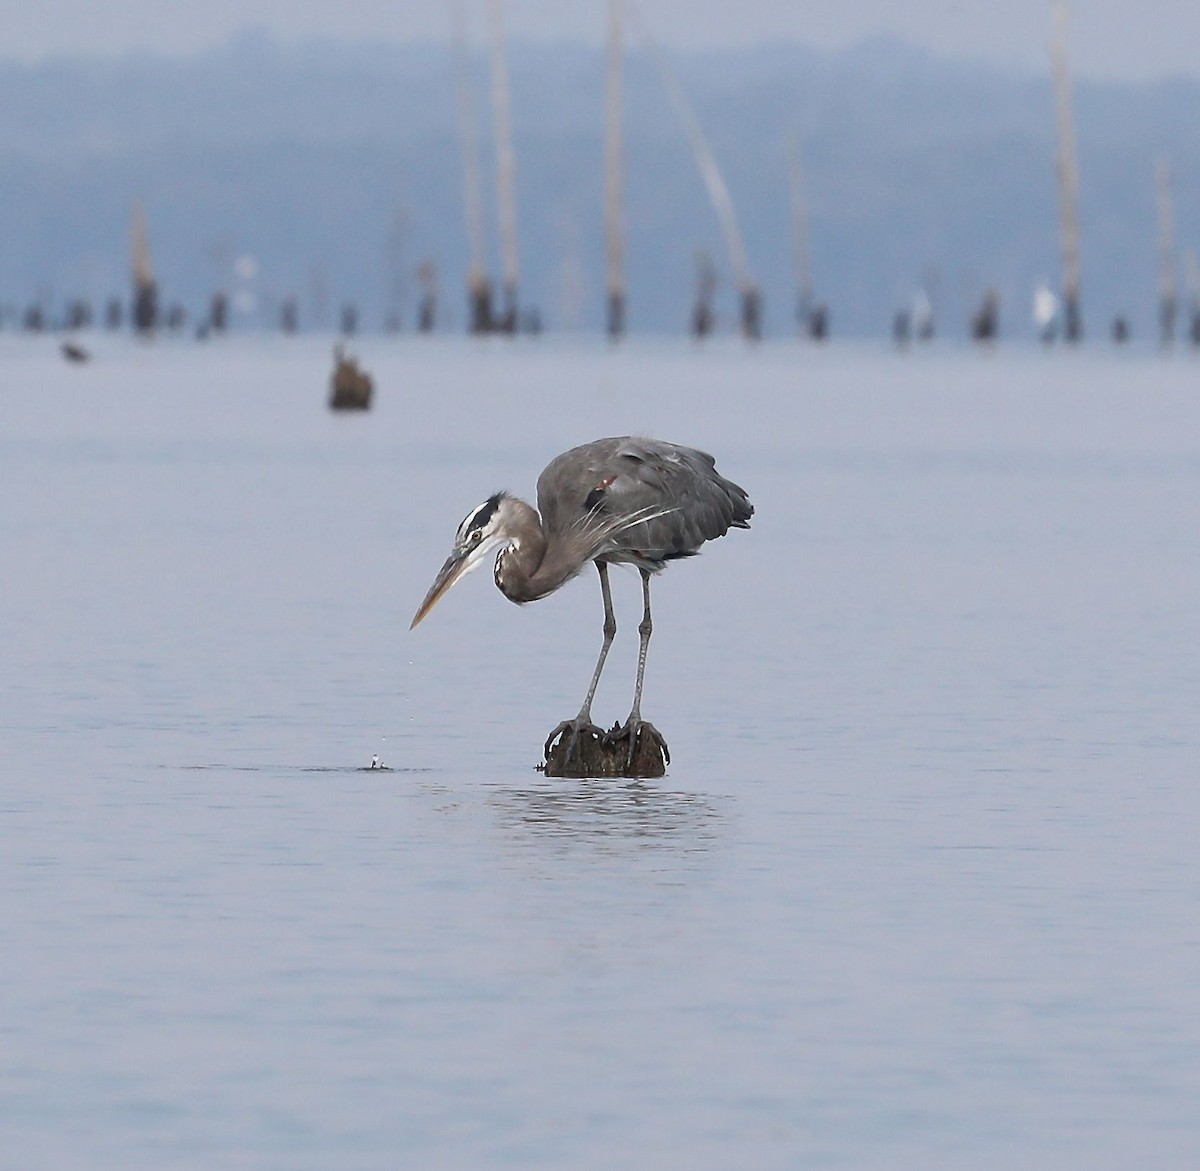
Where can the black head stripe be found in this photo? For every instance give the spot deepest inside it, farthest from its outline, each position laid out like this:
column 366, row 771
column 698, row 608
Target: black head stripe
column 479, row 518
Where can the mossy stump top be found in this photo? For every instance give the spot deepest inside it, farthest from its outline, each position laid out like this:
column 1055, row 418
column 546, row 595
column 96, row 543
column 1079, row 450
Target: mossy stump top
column 598, row 754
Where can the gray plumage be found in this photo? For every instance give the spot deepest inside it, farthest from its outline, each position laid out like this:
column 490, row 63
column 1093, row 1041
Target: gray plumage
column 602, row 488
column 626, row 499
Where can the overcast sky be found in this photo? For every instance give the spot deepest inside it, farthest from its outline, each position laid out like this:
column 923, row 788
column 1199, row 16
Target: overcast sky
column 1109, row 38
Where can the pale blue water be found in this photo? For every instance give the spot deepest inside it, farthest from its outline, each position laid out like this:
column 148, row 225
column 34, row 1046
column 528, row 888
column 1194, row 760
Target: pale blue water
column 921, row 888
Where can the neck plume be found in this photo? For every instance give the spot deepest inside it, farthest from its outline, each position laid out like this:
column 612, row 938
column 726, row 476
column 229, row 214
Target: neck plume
column 529, row 568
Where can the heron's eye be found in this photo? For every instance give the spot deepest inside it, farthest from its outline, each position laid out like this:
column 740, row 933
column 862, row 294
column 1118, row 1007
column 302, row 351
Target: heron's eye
column 475, row 537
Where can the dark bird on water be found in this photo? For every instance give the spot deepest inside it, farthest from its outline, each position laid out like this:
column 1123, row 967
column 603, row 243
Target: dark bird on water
column 639, row 501
column 351, row 387
column 74, row 352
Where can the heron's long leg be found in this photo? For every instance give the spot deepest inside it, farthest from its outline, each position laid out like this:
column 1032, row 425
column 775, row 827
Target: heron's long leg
column 610, row 631
column 644, row 631
column 584, row 719
column 636, row 729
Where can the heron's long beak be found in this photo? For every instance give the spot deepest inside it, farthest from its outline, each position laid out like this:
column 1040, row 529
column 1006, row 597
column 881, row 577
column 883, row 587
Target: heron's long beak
column 458, row 564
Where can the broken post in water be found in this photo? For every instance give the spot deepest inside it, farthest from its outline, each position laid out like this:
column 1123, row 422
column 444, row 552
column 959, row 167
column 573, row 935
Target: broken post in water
column 614, row 228
column 750, row 315
column 1068, row 182
column 801, row 244
column 1191, row 272
column 985, row 322
column 479, row 288
column 145, row 291
column 397, row 271
column 427, row 306
column 1168, row 296
column 506, row 193
column 704, row 317
column 218, row 312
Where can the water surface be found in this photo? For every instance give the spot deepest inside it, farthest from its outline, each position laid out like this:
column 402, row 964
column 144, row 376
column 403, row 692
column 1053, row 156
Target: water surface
column 919, row 889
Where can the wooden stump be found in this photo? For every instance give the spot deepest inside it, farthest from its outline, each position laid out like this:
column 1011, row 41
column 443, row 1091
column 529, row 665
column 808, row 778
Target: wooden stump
column 351, row 387
column 599, row 755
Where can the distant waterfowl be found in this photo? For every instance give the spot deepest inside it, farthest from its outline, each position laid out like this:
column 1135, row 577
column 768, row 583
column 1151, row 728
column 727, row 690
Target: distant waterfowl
column 74, row 352
column 351, row 387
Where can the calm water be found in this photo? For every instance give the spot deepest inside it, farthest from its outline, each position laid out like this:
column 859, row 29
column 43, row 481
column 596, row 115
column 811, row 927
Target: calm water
column 921, row 888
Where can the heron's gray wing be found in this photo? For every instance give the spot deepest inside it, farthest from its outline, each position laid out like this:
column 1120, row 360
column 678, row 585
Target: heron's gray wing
column 650, row 500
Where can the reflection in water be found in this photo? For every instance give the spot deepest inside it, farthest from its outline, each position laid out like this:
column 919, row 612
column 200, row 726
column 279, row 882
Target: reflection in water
column 620, row 811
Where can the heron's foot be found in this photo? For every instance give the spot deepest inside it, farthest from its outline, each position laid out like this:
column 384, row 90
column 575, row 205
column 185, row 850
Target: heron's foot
column 568, row 747
column 646, row 751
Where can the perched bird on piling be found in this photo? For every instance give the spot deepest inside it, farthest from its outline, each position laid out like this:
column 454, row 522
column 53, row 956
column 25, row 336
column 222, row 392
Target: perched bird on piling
column 640, row 501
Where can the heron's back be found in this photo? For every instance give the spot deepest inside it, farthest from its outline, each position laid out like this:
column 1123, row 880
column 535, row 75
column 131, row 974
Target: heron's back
column 640, row 500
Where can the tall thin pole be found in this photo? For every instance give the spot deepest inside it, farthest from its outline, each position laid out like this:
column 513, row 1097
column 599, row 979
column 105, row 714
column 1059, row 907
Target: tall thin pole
column 505, row 166
column 479, row 293
column 139, row 246
column 1191, row 274
column 145, row 290
column 718, row 194
column 801, row 249
column 1068, row 180
column 1167, row 291
column 397, row 285
column 614, row 227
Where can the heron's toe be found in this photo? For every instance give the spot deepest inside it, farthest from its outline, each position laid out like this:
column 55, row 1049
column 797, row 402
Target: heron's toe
column 558, row 731
column 640, row 737
column 575, row 727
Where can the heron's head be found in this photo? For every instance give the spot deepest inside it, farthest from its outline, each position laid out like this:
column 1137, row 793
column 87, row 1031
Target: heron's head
column 484, row 528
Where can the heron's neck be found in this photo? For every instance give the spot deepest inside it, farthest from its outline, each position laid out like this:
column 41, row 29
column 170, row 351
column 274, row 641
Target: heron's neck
column 527, row 569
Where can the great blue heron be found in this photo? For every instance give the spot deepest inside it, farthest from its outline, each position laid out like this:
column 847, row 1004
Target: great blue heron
column 634, row 500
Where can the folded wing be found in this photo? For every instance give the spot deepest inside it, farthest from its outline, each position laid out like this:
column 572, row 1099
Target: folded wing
column 640, row 500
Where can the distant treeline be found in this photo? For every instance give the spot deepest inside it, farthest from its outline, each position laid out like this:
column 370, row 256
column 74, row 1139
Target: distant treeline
column 336, row 168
